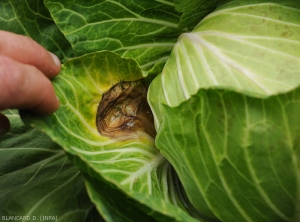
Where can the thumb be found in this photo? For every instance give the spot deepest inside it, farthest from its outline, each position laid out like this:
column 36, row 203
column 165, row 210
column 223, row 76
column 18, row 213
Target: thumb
column 4, row 124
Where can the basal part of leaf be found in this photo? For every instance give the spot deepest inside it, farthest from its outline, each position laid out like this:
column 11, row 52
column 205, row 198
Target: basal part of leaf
column 132, row 164
column 249, row 47
column 236, row 156
column 142, row 30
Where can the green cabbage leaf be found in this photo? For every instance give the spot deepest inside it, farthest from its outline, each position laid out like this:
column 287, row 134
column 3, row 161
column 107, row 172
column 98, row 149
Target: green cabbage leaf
column 133, row 167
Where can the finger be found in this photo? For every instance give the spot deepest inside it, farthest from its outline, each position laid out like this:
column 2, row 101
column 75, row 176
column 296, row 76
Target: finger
column 4, row 124
column 25, row 50
column 25, row 87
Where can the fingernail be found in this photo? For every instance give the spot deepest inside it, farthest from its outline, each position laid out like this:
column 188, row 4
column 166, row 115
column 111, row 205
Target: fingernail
column 55, row 59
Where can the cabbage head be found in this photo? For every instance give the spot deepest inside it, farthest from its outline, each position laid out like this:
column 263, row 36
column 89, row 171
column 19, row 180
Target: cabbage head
column 171, row 110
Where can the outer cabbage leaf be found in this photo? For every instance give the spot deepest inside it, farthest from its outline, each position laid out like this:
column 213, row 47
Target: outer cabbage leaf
column 237, row 156
column 252, row 47
column 37, row 179
column 134, row 166
column 140, row 29
column 31, row 18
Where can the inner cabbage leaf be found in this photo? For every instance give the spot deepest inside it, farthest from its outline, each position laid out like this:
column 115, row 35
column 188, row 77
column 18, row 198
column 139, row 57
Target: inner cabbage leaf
column 133, row 166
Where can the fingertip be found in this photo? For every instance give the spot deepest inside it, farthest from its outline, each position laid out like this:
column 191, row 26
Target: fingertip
column 26, row 87
column 25, row 50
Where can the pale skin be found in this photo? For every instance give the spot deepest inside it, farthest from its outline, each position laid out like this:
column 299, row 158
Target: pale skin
column 25, row 72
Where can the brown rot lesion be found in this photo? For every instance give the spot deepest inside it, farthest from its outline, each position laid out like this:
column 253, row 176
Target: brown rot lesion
column 123, row 111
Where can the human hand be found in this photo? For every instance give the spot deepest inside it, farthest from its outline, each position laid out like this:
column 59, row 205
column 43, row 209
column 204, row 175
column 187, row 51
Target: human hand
column 25, row 72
